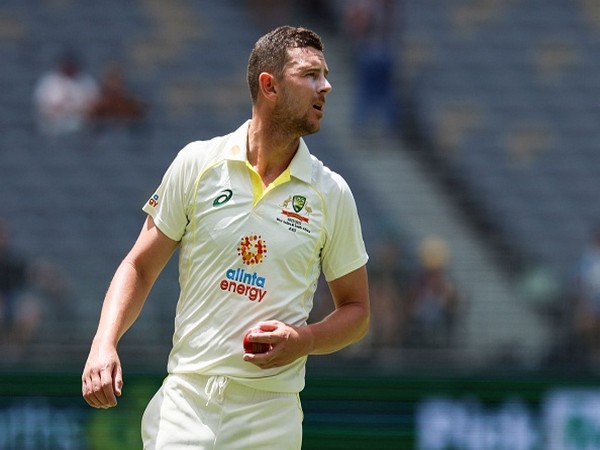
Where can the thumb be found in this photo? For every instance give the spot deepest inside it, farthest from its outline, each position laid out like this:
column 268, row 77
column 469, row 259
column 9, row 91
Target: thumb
column 118, row 380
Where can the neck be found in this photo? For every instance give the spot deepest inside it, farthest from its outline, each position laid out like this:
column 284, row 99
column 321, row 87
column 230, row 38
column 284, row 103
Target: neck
column 270, row 149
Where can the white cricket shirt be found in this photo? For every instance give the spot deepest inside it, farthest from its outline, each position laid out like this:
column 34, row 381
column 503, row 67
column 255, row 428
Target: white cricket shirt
column 250, row 254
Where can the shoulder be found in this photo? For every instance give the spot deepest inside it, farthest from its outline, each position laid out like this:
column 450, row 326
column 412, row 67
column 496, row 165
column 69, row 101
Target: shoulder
column 327, row 180
column 203, row 153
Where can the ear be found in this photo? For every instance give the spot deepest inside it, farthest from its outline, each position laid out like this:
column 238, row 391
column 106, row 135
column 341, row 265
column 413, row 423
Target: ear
column 267, row 85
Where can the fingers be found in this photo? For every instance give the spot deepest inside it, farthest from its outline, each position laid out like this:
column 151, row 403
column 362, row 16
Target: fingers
column 263, row 337
column 88, row 391
column 269, row 332
column 262, row 360
column 270, row 325
column 100, row 387
column 285, row 342
column 274, row 357
column 269, row 360
column 107, row 386
column 118, row 380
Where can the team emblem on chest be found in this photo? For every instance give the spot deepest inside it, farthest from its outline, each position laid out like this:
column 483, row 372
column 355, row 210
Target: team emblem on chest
column 298, row 218
column 298, row 202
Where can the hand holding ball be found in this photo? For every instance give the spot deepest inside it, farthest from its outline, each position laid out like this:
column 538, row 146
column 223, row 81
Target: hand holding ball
column 255, row 347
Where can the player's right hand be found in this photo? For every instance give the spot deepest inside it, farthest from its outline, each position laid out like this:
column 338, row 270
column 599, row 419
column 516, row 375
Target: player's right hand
column 102, row 379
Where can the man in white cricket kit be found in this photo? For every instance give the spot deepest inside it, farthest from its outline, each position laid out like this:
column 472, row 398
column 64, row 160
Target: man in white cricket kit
column 256, row 219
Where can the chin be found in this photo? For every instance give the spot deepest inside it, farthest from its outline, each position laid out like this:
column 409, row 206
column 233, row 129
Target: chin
column 305, row 127
column 312, row 128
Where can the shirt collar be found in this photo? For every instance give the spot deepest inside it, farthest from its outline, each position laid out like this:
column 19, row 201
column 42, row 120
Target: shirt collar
column 300, row 166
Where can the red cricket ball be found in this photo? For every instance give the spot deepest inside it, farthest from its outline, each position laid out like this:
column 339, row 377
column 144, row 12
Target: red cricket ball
column 255, row 347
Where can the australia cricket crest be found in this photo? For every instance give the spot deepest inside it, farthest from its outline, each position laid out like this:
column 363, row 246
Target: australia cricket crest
column 298, row 202
column 293, row 219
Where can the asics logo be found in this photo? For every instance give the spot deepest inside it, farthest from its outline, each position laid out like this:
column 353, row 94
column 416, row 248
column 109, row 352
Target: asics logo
column 223, row 198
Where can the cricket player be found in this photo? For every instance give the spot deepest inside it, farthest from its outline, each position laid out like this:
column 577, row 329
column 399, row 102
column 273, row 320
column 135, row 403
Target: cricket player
column 255, row 219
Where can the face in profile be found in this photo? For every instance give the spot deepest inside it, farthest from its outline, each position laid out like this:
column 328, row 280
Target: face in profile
column 302, row 91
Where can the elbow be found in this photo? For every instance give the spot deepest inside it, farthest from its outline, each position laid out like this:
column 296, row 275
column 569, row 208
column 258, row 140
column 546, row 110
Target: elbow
column 363, row 326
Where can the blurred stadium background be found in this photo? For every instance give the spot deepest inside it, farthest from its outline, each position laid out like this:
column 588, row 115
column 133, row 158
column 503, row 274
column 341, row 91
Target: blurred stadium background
column 495, row 156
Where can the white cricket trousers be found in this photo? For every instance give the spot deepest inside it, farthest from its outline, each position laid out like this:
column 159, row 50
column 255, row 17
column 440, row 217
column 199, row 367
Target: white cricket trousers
column 216, row 413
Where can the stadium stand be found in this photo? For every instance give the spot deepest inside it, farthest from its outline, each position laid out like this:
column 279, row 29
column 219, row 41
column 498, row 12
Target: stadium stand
column 76, row 199
column 517, row 71
column 502, row 96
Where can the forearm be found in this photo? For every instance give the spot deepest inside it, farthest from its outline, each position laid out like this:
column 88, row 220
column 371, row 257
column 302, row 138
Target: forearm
column 102, row 377
column 347, row 324
column 344, row 326
column 123, row 303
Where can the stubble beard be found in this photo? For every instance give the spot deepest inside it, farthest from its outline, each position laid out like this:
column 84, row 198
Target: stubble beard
column 290, row 122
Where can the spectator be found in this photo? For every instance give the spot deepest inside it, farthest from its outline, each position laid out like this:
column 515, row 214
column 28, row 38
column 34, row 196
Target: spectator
column 586, row 308
column 434, row 301
column 19, row 312
column 52, row 289
column 369, row 25
column 63, row 97
column 115, row 104
column 389, row 286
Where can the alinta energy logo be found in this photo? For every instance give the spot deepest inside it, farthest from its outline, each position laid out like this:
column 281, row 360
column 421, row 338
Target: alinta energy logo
column 252, row 250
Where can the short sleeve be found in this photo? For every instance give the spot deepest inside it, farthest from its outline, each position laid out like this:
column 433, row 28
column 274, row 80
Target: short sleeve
column 167, row 205
column 344, row 250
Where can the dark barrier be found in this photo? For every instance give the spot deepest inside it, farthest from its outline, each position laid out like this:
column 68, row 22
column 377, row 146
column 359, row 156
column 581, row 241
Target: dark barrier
column 45, row 411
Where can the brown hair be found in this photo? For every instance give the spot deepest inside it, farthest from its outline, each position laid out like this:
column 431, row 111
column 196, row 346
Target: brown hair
column 270, row 52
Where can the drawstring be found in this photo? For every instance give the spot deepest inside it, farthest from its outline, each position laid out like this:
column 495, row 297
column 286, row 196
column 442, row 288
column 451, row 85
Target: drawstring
column 215, row 384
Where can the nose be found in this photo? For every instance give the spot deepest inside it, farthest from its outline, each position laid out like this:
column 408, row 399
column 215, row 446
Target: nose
column 326, row 86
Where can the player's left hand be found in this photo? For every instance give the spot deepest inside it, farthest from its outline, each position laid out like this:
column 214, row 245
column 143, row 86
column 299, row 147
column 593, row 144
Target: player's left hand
column 288, row 343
